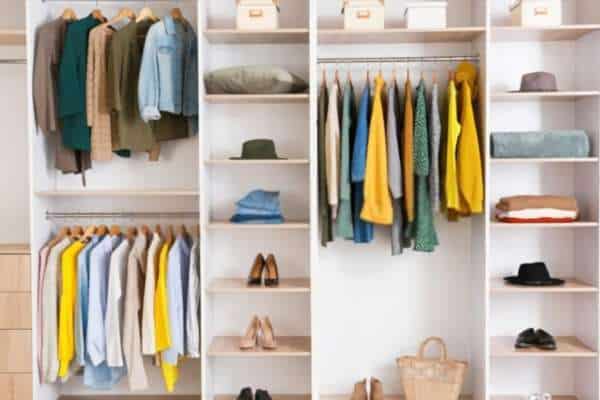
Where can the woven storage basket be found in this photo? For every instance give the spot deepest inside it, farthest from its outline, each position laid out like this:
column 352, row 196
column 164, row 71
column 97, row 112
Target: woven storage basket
column 428, row 379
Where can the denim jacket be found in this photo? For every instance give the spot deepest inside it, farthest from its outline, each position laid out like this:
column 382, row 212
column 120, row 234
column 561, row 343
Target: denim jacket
column 169, row 73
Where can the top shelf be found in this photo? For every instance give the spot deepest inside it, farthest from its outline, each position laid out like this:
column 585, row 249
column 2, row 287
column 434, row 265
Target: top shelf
column 12, row 37
column 279, row 36
column 399, row 35
column 541, row 34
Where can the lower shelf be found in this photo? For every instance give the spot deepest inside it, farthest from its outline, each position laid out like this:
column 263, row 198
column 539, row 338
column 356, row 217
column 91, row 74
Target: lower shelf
column 230, row 286
column 387, row 397
column 523, row 397
column 287, row 346
column 273, row 396
column 567, row 347
column 140, row 397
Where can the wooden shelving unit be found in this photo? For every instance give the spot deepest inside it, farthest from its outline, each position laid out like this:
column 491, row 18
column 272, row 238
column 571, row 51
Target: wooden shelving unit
column 12, row 37
column 564, row 160
column 279, row 36
column 256, row 98
column 541, row 34
column 285, row 226
column 118, row 193
column 498, row 285
column 544, row 96
column 287, row 346
column 238, row 285
column 227, row 162
column 392, row 36
column 567, row 347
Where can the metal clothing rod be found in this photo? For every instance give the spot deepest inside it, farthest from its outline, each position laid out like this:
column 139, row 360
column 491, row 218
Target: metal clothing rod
column 13, row 61
column 387, row 60
column 88, row 215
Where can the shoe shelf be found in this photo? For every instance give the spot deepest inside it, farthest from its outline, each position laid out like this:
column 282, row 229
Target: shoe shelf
column 285, row 226
column 274, row 396
column 498, row 285
column 278, row 36
column 387, row 397
column 521, row 397
column 564, row 225
column 541, row 34
column 138, row 397
column 565, row 160
column 232, row 286
column 287, row 346
column 544, row 96
column 256, row 98
column 226, row 162
column 567, row 347
column 399, row 35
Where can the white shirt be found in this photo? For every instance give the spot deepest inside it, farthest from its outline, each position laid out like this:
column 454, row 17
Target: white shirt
column 332, row 150
column 192, row 324
column 114, row 304
column 50, row 314
column 148, row 333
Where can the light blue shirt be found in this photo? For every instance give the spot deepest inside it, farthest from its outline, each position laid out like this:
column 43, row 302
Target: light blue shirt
column 169, row 72
column 97, row 374
column 177, row 279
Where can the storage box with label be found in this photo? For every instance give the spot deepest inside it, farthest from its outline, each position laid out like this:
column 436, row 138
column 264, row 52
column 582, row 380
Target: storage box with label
column 364, row 14
column 536, row 13
column 426, row 14
column 257, row 14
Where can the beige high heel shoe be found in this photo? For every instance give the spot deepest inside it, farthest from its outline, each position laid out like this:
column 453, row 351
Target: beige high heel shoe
column 250, row 339
column 268, row 336
column 376, row 389
column 360, row 391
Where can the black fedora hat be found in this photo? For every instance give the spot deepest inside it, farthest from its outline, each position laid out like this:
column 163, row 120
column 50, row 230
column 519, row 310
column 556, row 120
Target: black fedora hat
column 258, row 149
column 534, row 274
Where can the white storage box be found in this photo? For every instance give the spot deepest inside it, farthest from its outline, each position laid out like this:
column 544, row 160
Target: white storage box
column 364, row 14
column 537, row 13
column 426, row 15
column 257, row 14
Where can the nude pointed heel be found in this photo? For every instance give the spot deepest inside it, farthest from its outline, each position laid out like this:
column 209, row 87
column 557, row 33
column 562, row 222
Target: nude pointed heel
column 268, row 335
column 250, row 339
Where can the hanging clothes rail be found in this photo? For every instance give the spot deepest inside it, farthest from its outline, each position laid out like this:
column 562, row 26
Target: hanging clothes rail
column 389, row 60
column 88, row 215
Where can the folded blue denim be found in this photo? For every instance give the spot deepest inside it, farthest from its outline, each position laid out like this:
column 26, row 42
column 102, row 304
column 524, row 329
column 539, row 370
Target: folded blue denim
column 261, row 200
column 253, row 219
column 255, row 211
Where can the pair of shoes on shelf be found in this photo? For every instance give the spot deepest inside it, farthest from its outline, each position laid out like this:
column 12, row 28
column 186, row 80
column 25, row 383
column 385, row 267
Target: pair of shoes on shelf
column 246, row 394
column 267, row 267
column 360, row 390
column 535, row 338
column 259, row 329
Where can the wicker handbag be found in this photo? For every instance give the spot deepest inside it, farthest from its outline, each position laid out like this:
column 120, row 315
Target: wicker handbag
column 427, row 379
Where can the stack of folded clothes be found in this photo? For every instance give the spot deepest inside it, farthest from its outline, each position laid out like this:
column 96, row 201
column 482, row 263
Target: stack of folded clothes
column 536, row 209
column 258, row 207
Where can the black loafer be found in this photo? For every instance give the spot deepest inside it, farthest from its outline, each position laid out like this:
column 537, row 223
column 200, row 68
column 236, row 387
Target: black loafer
column 245, row 394
column 262, row 395
column 526, row 339
column 545, row 341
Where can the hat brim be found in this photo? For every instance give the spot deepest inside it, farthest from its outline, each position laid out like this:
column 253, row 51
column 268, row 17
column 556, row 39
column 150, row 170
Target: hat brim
column 256, row 159
column 533, row 91
column 515, row 280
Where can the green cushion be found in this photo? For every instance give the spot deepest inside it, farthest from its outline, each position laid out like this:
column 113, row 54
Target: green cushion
column 255, row 79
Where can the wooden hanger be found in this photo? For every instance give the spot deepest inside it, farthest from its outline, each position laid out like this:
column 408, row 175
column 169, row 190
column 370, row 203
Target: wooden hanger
column 89, row 232
column 115, row 230
column 146, row 13
column 77, row 232
column 337, row 77
column 97, row 14
column 62, row 233
column 158, row 230
column 408, row 74
column 434, row 77
column 126, row 12
column 102, row 230
column 145, row 230
column 69, row 14
column 196, row 231
column 181, row 230
column 368, row 75
column 177, row 15
column 170, row 235
column 324, row 77
column 131, row 233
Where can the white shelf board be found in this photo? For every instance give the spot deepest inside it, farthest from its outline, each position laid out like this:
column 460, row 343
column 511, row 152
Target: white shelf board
column 12, row 37
column 237, row 285
column 564, row 160
column 256, row 98
column 543, row 96
column 523, row 397
column 235, row 36
column 399, row 35
column 287, row 346
column 563, row 225
column 566, row 347
column 273, row 396
column 386, row 397
column 498, row 285
column 235, row 226
column 541, row 34
column 226, row 162
column 118, row 193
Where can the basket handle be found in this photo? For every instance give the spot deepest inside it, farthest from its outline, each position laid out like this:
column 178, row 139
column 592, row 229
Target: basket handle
column 438, row 340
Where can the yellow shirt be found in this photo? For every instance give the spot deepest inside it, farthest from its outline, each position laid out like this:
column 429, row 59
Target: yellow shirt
column 161, row 318
column 377, row 207
column 451, row 179
column 66, row 324
column 470, row 174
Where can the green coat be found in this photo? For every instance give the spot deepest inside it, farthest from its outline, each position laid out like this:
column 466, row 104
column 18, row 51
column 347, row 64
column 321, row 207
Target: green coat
column 72, row 77
column 344, row 218
column 324, row 209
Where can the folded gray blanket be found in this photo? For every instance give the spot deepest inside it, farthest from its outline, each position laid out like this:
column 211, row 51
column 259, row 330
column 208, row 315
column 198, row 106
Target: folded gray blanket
column 556, row 144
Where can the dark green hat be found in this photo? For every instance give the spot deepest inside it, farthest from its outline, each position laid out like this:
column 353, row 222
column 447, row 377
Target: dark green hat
column 258, row 149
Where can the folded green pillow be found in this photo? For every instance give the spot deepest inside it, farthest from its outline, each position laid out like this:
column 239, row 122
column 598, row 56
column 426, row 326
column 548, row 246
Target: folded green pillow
column 255, row 79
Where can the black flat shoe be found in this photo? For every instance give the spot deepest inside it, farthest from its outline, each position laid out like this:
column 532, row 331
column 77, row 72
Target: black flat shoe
column 526, row 339
column 245, row 394
column 545, row 341
column 262, row 395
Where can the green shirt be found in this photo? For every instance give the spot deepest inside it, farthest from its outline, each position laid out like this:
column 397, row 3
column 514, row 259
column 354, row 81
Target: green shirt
column 72, row 85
